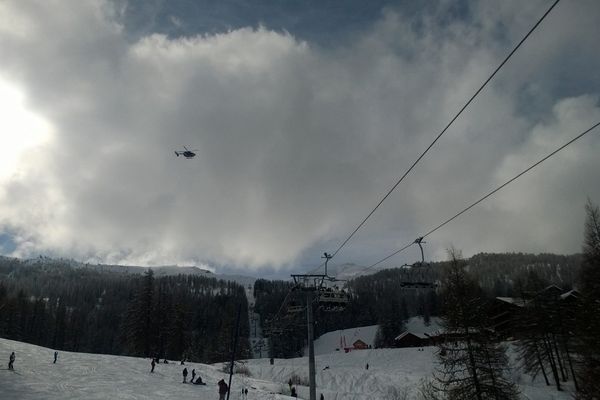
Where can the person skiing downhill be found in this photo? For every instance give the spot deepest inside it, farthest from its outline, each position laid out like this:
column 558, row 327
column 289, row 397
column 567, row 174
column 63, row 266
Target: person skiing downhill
column 153, row 364
column 55, row 356
column 11, row 360
column 185, row 375
column 223, row 388
column 193, row 375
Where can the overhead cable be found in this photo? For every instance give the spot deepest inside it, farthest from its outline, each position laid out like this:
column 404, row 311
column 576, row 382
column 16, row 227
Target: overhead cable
column 487, row 195
column 389, row 192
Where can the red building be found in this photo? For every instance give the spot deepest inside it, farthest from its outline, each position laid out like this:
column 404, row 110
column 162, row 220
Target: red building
column 360, row 345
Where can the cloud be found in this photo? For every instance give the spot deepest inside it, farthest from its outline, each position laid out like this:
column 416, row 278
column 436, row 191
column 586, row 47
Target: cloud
column 296, row 143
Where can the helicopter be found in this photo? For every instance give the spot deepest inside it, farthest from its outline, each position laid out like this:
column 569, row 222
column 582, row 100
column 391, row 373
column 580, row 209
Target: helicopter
column 187, row 153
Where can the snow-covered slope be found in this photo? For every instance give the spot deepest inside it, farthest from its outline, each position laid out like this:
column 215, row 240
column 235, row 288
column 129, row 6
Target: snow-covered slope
column 96, row 376
column 92, row 376
column 334, row 341
column 338, row 340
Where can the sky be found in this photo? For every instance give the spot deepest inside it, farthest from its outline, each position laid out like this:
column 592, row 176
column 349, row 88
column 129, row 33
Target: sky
column 304, row 115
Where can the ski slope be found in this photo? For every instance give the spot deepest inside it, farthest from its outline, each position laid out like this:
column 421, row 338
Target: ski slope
column 97, row 376
column 92, row 376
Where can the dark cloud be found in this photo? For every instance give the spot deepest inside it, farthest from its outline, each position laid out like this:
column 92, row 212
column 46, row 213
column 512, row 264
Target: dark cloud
column 296, row 142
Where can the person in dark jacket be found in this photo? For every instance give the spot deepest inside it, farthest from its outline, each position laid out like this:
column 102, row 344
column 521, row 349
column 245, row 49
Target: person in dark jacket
column 199, row 381
column 294, row 394
column 11, row 360
column 185, row 375
column 193, row 375
column 55, row 357
column 223, row 389
column 153, row 364
column 322, row 397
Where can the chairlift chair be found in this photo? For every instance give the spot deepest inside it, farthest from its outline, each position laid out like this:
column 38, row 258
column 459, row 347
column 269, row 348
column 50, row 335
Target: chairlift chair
column 418, row 275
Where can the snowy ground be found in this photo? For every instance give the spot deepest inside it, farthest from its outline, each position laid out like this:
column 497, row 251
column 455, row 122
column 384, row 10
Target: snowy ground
column 95, row 376
column 92, row 376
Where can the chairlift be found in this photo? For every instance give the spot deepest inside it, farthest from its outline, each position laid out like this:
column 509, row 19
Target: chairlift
column 332, row 299
column 294, row 308
column 417, row 275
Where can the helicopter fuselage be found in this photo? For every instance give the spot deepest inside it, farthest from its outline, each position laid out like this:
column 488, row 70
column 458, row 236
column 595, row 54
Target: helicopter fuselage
column 187, row 154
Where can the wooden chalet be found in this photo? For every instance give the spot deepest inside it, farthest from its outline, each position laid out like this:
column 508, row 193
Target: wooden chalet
column 504, row 314
column 419, row 334
column 409, row 339
column 359, row 345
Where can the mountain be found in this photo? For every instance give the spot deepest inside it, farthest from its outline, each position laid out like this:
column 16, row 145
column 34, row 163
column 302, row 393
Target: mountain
column 165, row 270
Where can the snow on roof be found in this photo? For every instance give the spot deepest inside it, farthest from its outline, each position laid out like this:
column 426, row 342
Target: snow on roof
column 573, row 293
column 416, row 326
column 512, row 300
column 552, row 287
column 332, row 341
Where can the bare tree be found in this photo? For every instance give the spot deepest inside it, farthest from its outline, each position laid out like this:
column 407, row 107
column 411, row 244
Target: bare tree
column 472, row 365
column 588, row 317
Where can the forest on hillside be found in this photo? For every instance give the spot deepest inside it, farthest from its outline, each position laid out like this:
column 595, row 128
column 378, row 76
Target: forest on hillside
column 54, row 304
column 382, row 298
column 77, row 309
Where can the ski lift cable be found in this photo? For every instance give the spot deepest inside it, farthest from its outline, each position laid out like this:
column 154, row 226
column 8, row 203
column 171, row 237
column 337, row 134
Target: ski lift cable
column 389, row 192
column 487, row 195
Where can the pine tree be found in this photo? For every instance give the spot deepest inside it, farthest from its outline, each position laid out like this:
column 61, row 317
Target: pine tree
column 542, row 345
column 140, row 330
column 472, row 365
column 588, row 318
column 391, row 321
column 58, row 340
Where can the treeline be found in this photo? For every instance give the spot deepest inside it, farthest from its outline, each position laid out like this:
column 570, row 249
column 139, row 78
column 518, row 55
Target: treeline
column 77, row 309
column 555, row 332
column 381, row 298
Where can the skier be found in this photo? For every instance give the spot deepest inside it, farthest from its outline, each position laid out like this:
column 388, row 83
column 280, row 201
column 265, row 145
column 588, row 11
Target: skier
column 193, row 375
column 367, row 366
column 199, row 381
column 184, row 375
column 223, row 389
column 11, row 360
column 293, row 394
column 290, row 384
column 322, row 397
column 153, row 364
column 55, row 356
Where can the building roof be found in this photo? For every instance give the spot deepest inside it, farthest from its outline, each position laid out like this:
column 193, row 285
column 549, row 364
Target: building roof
column 512, row 300
column 416, row 326
column 407, row 333
column 570, row 293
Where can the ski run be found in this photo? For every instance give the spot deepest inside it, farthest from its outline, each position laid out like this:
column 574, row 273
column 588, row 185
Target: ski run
column 392, row 374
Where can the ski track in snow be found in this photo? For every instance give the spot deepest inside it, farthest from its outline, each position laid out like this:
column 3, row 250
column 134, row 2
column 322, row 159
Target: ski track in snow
column 97, row 376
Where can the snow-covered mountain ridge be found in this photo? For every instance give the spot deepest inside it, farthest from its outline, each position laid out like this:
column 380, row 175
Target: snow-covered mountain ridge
column 164, row 270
